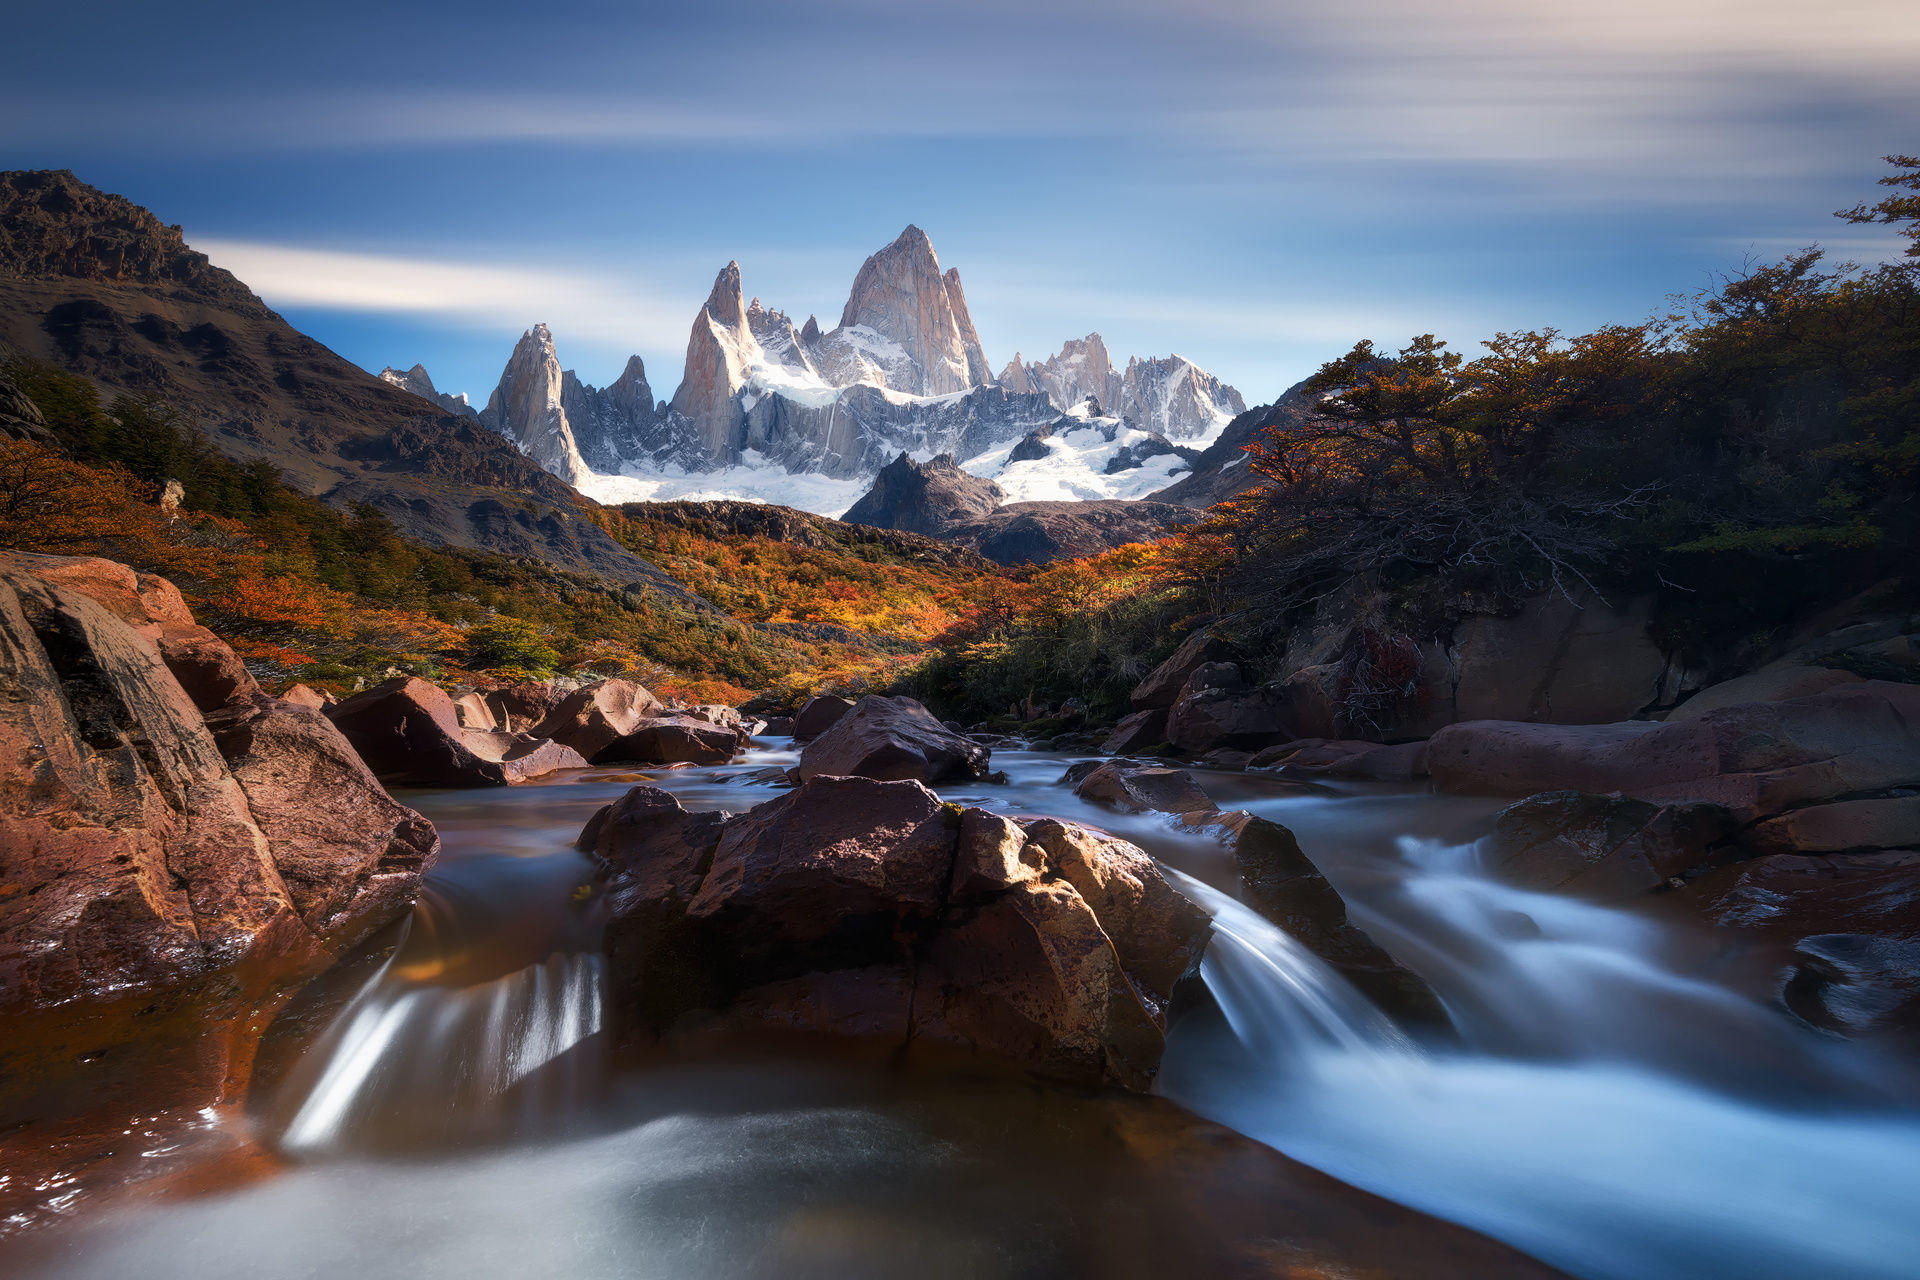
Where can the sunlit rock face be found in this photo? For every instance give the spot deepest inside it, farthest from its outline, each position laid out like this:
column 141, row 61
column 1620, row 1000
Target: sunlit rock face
column 420, row 384
column 526, row 407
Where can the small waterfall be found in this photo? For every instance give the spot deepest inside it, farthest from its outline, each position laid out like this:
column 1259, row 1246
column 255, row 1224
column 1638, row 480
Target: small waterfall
column 430, row 1062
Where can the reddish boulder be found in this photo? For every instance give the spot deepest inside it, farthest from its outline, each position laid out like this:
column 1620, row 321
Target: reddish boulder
column 1162, row 686
column 1140, row 731
column 1604, row 846
column 674, row 739
column 1756, row 759
column 868, row 909
column 1242, row 718
column 407, row 732
column 301, row 695
column 892, row 739
column 472, row 711
column 517, row 708
column 818, row 715
column 593, row 718
column 777, row 727
column 1133, row 789
column 718, row 713
column 1769, row 684
column 1343, row 758
column 1213, row 675
column 157, row 866
column 1279, row 881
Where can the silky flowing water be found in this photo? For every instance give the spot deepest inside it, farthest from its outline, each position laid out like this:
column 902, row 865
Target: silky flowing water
column 1620, row 1101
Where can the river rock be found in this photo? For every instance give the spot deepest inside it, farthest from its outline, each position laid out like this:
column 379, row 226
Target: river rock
column 1279, row 881
column 892, row 739
column 155, row 864
column 777, row 727
column 1213, row 675
column 1344, row 758
column 517, row 708
column 868, row 909
column 1162, row 686
column 1246, row 719
column 1604, row 846
column 819, row 715
column 675, row 739
column 1137, row 732
column 406, row 730
column 593, row 718
column 1756, row 759
column 1138, row 789
column 1770, row 684
column 472, row 711
column 301, row 695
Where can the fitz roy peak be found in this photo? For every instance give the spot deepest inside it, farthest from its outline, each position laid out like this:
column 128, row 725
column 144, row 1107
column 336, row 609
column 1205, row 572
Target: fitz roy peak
column 903, row 371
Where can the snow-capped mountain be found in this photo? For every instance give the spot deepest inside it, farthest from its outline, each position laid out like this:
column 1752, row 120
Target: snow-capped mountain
column 417, row 381
column 768, row 411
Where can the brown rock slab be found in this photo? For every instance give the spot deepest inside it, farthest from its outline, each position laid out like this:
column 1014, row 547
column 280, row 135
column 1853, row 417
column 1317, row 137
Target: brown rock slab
column 407, row 732
column 818, row 715
column 593, row 718
column 892, row 739
column 1138, row 789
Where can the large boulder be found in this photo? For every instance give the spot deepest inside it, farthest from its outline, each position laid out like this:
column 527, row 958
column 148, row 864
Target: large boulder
column 1770, row 684
column 892, row 739
column 1345, row 758
column 818, row 715
column 1140, row 789
column 518, row 708
column 1564, row 659
column 210, row 672
column 165, row 871
column 593, row 718
column 1245, row 719
column 675, row 739
column 1604, row 846
column 407, row 732
column 301, row 695
column 1756, row 759
column 1139, row 731
column 867, row 909
column 1279, row 881
column 472, row 711
column 1163, row 684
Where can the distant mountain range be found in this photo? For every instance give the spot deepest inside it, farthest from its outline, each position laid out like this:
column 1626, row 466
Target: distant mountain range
column 903, row 371
column 891, row 413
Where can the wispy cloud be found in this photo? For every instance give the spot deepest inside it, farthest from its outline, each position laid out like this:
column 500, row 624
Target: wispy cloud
column 482, row 295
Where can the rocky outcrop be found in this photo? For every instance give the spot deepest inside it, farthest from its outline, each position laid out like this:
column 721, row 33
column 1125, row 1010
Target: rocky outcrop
column 591, row 719
column 519, row 708
column 20, row 417
column 979, row 371
column 676, row 739
column 1176, row 398
column 417, row 381
column 527, row 407
column 1756, row 760
column 819, row 714
column 1081, row 368
column 719, row 350
column 1140, row 731
column 1602, row 846
column 1139, row 789
column 1039, row 532
column 1279, row 881
column 928, row 498
column 1244, row 719
column 892, row 739
column 869, row 910
column 1162, row 686
column 615, row 425
column 157, row 854
column 901, row 296
column 408, row 733
column 1770, row 684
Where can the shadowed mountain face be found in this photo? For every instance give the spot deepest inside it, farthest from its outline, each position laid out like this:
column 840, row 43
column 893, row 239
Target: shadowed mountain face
column 1221, row 470
column 98, row 285
column 939, row 500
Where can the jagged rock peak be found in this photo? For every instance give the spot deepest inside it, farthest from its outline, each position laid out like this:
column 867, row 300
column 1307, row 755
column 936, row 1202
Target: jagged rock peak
column 416, row 381
column 528, row 406
column 724, row 303
column 901, row 294
column 810, row 332
column 979, row 372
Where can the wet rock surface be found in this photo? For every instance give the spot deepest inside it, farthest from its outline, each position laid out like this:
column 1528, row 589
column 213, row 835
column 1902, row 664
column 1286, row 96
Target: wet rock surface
column 868, row 909
column 407, row 731
column 892, row 739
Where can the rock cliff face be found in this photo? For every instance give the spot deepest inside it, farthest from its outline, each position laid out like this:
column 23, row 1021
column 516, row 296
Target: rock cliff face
column 526, row 407
column 614, row 424
column 901, row 295
column 1176, row 398
column 417, row 381
column 1081, row 369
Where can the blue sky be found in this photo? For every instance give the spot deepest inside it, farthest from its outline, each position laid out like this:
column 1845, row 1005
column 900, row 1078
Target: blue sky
column 1254, row 185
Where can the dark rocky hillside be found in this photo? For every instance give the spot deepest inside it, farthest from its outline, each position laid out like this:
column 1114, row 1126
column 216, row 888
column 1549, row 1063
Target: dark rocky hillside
column 100, row 286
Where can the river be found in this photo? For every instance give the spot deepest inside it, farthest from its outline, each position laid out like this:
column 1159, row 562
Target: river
column 1621, row 1101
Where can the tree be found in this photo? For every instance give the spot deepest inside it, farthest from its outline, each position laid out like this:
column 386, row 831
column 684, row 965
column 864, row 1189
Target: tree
column 510, row 643
column 1896, row 210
